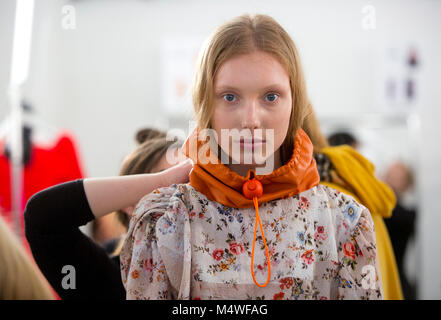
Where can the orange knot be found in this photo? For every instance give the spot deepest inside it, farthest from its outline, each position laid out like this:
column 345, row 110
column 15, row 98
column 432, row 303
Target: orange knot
column 253, row 189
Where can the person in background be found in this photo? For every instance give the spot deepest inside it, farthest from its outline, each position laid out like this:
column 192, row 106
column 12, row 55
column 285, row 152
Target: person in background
column 401, row 225
column 148, row 157
column 343, row 137
column 341, row 167
column 20, row 279
column 56, row 241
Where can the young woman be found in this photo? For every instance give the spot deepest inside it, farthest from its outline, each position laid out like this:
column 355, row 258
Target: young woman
column 200, row 240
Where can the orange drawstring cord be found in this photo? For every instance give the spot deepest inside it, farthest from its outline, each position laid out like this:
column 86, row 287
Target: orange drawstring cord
column 253, row 189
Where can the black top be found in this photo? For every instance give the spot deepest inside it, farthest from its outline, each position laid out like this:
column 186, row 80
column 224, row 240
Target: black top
column 52, row 220
column 401, row 227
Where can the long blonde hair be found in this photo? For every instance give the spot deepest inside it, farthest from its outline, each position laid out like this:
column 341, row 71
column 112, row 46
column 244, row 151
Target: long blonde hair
column 312, row 128
column 243, row 35
column 20, row 279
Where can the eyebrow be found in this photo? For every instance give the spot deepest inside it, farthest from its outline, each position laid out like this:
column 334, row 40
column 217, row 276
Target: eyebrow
column 267, row 88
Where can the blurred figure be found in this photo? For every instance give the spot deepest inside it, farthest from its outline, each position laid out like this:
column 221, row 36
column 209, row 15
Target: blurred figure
column 341, row 167
column 53, row 217
column 401, row 225
column 343, row 137
column 148, row 157
column 20, row 279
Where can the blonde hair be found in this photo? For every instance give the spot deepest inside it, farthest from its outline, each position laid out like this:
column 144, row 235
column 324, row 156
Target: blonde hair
column 20, row 279
column 242, row 35
column 312, row 128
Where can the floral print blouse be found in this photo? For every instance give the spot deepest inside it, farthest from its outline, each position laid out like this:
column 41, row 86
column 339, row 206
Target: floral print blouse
column 180, row 245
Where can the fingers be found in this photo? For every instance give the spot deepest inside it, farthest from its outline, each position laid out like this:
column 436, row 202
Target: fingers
column 180, row 173
column 187, row 166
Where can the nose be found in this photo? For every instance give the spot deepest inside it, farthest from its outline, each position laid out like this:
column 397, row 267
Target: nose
column 250, row 116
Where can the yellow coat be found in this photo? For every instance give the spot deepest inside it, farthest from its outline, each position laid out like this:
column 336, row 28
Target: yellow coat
column 356, row 178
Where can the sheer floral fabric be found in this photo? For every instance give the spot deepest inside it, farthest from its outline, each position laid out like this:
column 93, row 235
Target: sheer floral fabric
column 180, row 245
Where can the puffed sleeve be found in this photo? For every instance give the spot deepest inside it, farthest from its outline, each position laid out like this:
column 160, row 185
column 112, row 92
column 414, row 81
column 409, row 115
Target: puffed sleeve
column 148, row 270
column 358, row 274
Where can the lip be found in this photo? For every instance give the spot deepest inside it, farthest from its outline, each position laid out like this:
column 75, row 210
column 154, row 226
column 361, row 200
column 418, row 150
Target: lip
column 251, row 143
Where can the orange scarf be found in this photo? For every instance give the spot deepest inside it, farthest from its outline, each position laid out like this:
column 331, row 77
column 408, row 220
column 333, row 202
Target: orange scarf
column 218, row 183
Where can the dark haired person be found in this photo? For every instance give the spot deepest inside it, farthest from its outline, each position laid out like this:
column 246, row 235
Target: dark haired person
column 53, row 217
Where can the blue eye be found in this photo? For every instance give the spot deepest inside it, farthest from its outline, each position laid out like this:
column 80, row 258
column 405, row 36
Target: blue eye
column 271, row 97
column 229, row 97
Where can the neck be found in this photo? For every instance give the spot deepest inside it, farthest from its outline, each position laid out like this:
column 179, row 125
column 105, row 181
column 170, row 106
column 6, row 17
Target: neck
column 242, row 169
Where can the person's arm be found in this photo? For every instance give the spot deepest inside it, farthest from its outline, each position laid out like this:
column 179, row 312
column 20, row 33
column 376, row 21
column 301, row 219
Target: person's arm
column 52, row 218
column 106, row 195
column 75, row 266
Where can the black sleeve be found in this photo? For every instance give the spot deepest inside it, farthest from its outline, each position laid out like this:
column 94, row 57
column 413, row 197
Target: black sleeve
column 52, row 218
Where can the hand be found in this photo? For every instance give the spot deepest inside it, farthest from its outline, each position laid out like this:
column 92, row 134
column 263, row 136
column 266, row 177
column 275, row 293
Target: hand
column 179, row 173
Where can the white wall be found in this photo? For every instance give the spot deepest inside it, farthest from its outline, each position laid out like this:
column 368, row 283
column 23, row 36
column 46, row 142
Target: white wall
column 103, row 79
column 6, row 26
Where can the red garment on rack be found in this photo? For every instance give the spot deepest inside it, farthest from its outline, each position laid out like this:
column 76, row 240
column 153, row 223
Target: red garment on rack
column 48, row 166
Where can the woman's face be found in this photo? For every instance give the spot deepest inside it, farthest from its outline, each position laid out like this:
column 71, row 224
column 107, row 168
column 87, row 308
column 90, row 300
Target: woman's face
column 252, row 91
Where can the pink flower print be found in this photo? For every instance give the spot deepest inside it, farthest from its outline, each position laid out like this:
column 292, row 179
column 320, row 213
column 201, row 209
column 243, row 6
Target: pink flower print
column 271, row 251
column 148, row 264
column 236, row 248
column 279, row 296
column 262, row 267
column 349, row 250
column 304, row 203
column 286, row 282
column 321, row 234
column 308, row 256
column 217, row 254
